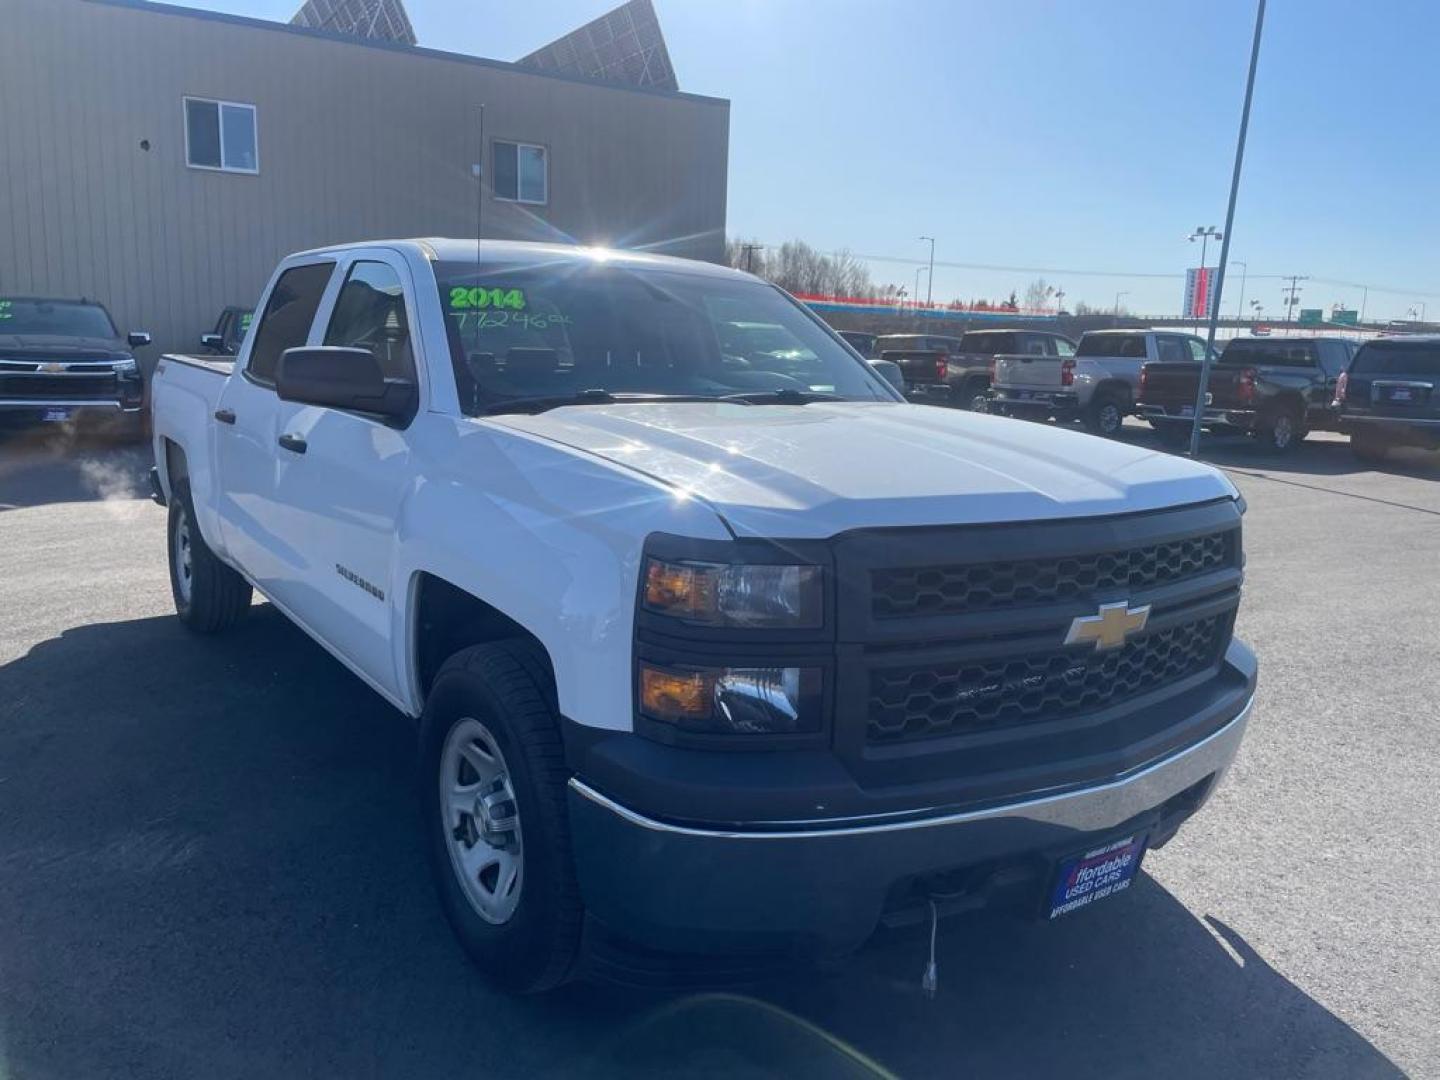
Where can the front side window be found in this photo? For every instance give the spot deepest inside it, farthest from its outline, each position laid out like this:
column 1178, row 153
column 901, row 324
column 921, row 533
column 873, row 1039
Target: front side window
column 522, row 172
column 370, row 314
column 558, row 331
column 221, row 135
column 287, row 318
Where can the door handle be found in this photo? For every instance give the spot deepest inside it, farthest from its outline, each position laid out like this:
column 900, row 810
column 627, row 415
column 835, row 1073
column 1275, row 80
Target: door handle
column 294, row 443
column 225, row 416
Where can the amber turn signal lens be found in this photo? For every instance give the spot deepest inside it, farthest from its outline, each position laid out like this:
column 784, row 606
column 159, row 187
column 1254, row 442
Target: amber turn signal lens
column 677, row 589
column 676, row 695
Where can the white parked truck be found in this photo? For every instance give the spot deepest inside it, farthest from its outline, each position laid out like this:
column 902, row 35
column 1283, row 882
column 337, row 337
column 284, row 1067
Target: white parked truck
column 713, row 649
column 1097, row 384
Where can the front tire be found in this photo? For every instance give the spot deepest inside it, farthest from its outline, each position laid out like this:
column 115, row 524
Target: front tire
column 209, row 596
column 493, row 804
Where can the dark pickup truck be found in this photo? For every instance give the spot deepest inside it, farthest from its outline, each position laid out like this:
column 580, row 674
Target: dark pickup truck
column 229, row 331
column 1275, row 389
column 957, row 371
column 1389, row 396
column 63, row 360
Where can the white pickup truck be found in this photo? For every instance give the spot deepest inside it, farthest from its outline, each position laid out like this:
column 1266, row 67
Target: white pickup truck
column 1098, row 385
column 710, row 652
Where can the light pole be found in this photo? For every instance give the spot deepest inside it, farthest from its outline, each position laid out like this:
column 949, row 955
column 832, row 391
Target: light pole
column 1364, row 299
column 1118, row 295
column 1203, row 383
column 1258, row 308
column 929, row 281
column 1059, row 301
column 1240, row 304
column 1203, row 233
column 918, row 271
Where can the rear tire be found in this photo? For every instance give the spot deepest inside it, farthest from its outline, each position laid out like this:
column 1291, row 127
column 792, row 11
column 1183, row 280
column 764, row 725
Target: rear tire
column 1370, row 449
column 1280, row 432
column 1105, row 415
column 975, row 396
column 492, row 711
column 209, row 596
column 1173, row 436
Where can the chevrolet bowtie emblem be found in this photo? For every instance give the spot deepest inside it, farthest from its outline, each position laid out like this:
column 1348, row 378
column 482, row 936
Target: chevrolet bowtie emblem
column 53, row 369
column 1110, row 628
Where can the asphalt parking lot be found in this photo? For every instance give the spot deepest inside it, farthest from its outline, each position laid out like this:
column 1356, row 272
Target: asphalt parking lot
column 208, row 861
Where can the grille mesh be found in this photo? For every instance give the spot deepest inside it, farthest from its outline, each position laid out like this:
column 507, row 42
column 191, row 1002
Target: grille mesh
column 950, row 590
column 964, row 698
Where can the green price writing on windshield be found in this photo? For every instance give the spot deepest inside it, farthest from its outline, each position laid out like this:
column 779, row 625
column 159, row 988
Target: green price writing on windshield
column 477, row 299
column 5, row 312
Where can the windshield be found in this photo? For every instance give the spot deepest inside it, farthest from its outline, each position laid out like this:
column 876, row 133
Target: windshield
column 581, row 327
column 60, row 318
column 1124, row 345
column 235, row 329
column 1275, row 351
column 1398, row 358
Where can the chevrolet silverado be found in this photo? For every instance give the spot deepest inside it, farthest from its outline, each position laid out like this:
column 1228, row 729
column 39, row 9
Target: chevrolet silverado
column 710, row 653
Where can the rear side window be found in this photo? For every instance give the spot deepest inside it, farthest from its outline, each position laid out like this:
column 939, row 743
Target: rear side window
column 1130, row 346
column 370, row 314
column 1062, row 347
column 1277, row 352
column 1172, row 349
column 288, row 314
column 1397, row 358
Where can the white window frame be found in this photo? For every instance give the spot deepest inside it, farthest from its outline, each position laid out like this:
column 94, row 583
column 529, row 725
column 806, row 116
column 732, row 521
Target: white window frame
column 519, row 146
column 220, row 106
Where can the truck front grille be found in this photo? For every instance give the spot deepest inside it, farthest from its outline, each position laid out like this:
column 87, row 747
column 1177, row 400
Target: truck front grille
column 57, row 387
column 972, row 697
column 946, row 590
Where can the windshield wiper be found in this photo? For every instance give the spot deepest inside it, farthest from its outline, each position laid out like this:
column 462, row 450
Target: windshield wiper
column 787, row 396
column 543, row 402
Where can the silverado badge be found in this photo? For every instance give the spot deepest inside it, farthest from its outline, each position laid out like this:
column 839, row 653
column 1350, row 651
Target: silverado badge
column 1109, row 628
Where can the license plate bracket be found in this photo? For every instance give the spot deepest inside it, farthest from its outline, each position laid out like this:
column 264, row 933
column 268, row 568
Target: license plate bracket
column 1096, row 873
column 55, row 416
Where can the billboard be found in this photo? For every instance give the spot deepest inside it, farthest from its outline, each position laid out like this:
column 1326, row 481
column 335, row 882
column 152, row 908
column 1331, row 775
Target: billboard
column 1199, row 293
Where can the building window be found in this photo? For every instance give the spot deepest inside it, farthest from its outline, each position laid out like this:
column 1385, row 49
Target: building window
column 221, row 135
column 522, row 172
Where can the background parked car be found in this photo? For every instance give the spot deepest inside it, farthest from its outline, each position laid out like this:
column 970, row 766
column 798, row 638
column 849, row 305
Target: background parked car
column 229, row 331
column 957, row 371
column 63, row 360
column 1387, row 396
column 1276, row 389
column 864, row 344
column 1098, row 384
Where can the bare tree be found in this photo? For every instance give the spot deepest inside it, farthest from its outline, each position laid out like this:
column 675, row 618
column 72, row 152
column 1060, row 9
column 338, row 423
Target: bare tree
column 1037, row 293
column 799, row 268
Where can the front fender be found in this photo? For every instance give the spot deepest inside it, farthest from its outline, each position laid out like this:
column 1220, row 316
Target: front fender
column 551, row 537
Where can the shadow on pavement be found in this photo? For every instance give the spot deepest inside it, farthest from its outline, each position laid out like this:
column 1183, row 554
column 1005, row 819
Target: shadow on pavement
column 209, row 867
column 45, row 465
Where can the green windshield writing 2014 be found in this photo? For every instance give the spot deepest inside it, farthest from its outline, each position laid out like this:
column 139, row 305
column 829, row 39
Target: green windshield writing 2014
column 477, row 299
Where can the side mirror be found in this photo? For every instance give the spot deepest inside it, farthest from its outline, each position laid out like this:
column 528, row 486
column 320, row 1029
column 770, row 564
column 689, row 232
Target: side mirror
column 213, row 342
column 342, row 378
column 138, row 339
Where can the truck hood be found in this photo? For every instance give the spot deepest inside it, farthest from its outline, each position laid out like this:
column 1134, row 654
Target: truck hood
column 816, row 470
column 61, row 347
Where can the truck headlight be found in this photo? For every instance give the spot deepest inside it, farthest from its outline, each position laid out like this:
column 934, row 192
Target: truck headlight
column 733, row 700
column 717, row 594
column 127, row 368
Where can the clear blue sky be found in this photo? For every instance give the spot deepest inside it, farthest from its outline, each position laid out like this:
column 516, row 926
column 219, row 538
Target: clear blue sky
column 1079, row 136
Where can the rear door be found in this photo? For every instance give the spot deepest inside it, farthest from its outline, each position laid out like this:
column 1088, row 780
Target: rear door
column 245, row 417
column 338, row 500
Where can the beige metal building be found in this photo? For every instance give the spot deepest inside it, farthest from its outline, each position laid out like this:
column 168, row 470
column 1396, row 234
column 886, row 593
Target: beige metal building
column 162, row 159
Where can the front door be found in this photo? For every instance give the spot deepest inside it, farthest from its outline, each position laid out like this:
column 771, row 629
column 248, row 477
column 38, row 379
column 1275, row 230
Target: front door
column 341, row 478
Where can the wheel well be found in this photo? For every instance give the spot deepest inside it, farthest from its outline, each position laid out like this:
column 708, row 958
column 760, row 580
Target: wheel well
column 176, row 467
column 1113, row 388
column 448, row 619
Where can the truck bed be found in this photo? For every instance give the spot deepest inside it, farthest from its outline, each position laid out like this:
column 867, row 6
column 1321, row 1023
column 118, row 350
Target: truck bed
column 1027, row 372
column 1172, row 383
